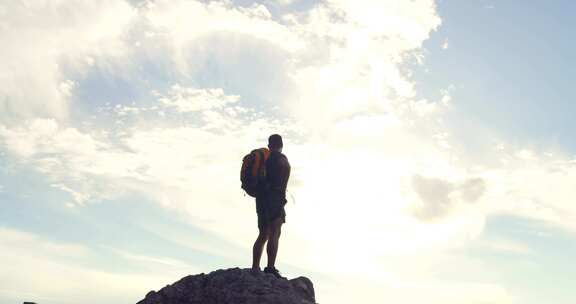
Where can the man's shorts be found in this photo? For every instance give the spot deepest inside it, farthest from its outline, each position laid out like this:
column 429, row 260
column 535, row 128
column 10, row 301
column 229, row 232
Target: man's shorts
column 269, row 207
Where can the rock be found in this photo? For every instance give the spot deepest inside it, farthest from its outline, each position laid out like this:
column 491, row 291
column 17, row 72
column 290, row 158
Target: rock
column 234, row 286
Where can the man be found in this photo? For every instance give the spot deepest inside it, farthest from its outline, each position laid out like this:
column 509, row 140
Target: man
column 270, row 203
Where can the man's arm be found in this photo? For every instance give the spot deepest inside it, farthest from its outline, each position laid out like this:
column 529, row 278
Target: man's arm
column 285, row 172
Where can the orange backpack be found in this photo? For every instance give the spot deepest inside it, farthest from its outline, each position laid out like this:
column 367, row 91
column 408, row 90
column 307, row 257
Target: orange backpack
column 253, row 172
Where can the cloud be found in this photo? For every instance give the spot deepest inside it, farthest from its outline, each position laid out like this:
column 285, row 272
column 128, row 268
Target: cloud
column 39, row 36
column 445, row 45
column 156, row 265
column 439, row 197
column 78, row 198
column 532, row 184
column 194, row 100
column 414, row 291
column 45, row 136
column 352, row 64
column 30, row 262
column 177, row 159
column 501, row 245
column 37, row 269
column 33, row 243
column 335, row 72
column 185, row 21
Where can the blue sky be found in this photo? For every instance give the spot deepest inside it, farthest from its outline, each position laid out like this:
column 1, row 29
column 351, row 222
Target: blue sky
column 511, row 64
column 445, row 127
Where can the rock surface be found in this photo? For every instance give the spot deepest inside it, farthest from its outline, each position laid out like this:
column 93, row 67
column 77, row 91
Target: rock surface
column 234, row 286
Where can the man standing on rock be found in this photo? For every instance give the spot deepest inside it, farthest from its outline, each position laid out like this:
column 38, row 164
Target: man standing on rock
column 270, row 202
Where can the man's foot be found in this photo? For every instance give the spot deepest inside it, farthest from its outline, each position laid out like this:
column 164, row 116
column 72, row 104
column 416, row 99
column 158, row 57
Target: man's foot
column 274, row 272
column 254, row 270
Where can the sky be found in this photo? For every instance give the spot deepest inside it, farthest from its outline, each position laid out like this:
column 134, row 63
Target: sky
column 431, row 144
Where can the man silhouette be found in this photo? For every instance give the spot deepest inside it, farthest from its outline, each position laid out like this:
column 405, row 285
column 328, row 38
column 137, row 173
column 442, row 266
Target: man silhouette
column 270, row 202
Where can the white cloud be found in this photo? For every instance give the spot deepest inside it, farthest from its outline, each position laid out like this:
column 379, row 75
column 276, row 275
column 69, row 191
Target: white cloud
column 535, row 185
column 414, row 291
column 409, row 22
column 438, row 196
column 353, row 96
column 154, row 264
column 193, row 100
column 352, row 64
column 45, row 136
column 38, row 37
column 32, row 243
column 78, row 197
column 445, row 45
column 177, row 165
column 506, row 246
column 35, row 269
column 185, row 21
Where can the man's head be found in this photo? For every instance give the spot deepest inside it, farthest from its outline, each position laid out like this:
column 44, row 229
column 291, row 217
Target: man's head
column 275, row 143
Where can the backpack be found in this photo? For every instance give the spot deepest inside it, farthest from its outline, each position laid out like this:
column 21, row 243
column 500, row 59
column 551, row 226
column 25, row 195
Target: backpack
column 253, row 171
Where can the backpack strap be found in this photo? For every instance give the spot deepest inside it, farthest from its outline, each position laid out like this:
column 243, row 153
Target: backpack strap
column 260, row 157
column 256, row 163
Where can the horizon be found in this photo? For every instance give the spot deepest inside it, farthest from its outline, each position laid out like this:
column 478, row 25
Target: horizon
column 431, row 145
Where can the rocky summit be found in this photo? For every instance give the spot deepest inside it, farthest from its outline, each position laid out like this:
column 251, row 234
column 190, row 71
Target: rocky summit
column 234, row 286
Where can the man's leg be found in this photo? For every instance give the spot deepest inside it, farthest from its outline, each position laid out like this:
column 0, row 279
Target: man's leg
column 273, row 240
column 258, row 247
